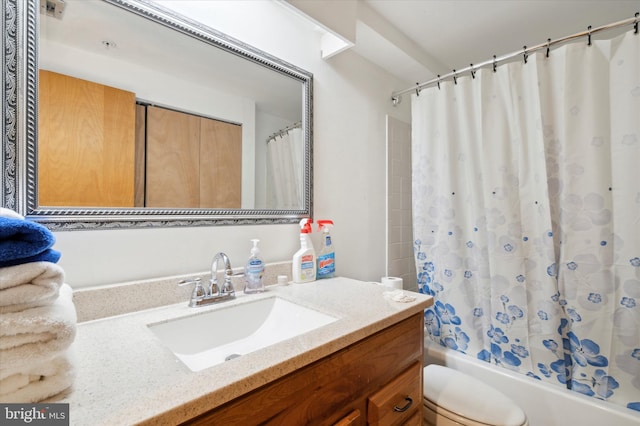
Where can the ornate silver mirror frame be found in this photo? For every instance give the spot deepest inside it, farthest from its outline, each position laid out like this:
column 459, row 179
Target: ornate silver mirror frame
column 19, row 112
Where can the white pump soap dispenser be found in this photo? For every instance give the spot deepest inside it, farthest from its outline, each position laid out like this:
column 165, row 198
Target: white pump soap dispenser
column 254, row 270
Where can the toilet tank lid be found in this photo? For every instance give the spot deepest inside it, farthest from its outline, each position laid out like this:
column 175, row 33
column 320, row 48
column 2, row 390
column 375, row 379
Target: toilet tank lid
column 468, row 397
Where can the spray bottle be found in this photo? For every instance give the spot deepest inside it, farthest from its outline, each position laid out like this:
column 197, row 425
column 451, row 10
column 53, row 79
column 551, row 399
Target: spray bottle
column 327, row 256
column 254, row 270
column 304, row 260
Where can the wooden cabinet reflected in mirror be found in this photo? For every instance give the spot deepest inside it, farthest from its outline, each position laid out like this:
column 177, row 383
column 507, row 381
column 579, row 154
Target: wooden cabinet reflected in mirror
column 98, row 148
column 87, row 143
column 192, row 161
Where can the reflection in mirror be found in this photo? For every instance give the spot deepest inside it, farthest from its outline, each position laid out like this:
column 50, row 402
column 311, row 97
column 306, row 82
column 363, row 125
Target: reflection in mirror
column 146, row 118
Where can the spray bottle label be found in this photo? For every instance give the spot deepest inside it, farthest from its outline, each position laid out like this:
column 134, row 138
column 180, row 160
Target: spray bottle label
column 326, row 265
column 306, row 266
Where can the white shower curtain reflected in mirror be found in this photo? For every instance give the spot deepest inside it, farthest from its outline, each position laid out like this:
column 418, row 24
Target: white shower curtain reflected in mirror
column 284, row 169
column 526, row 213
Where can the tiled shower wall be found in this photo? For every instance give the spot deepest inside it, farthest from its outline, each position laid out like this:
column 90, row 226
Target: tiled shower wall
column 400, row 261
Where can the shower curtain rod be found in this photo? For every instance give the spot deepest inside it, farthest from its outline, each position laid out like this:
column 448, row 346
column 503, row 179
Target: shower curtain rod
column 396, row 96
column 282, row 132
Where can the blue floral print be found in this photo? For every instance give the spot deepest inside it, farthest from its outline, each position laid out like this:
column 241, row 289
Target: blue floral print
column 446, row 313
column 432, row 323
column 520, row 351
column 594, row 297
column 599, row 385
column 458, row 340
column 628, row 302
column 586, row 351
column 573, row 315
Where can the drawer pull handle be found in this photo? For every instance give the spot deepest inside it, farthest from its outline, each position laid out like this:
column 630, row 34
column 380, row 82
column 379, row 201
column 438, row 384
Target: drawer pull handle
column 406, row 406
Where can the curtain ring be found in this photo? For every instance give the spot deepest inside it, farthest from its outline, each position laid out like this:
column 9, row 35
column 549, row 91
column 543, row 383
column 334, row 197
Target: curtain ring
column 438, row 81
column 525, row 54
column 473, row 72
column 589, row 36
column 635, row 24
column 417, row 89
column 495, row 63
column 548, row 48
column 455, row 77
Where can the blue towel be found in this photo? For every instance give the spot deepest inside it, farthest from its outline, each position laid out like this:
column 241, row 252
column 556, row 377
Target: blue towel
column 23, row 241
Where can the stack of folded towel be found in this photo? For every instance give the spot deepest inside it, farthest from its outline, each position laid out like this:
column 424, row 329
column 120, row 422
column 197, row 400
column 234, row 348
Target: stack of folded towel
column 37, row 315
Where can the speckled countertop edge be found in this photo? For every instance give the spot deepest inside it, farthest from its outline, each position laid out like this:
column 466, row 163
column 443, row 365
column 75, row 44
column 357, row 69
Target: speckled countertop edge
column 126, row 376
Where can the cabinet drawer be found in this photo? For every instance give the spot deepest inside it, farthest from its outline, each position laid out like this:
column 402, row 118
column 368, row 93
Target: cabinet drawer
column 398, row 400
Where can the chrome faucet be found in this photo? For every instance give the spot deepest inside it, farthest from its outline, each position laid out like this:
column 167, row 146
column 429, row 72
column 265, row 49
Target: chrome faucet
column 201, row 296
column 227, row 287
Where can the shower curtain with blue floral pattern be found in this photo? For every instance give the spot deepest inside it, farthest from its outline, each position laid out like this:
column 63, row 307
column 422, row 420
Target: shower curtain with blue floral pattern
column 526, row 213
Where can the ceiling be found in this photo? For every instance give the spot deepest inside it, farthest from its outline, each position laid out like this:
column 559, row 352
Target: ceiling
column 417, row 39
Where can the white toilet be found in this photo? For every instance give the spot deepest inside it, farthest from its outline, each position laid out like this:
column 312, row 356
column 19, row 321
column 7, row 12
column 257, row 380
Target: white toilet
column 452, row 398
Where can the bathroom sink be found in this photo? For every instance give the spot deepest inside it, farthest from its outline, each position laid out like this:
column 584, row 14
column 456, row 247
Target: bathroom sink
column 209, row 338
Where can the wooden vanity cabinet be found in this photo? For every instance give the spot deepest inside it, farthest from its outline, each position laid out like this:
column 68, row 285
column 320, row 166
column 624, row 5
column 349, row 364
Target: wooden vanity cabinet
column 358, row 385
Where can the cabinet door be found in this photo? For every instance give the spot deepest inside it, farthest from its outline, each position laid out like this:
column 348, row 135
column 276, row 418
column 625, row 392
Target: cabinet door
column 220, row 164
column 86, row 143
column 173, row 159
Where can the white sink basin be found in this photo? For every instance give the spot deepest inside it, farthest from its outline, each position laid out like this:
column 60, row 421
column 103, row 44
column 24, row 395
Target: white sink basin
column 208, row 338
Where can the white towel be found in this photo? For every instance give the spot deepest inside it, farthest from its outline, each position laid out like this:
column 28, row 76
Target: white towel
column 39, row 382
column 39, row 334
column 4, row 212
column 29, row 285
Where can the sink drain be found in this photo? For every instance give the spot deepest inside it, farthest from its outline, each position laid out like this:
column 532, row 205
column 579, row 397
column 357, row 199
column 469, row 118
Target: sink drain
column 232, row 356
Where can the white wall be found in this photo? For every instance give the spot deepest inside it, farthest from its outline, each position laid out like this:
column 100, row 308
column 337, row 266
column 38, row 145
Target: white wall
column 351, row 101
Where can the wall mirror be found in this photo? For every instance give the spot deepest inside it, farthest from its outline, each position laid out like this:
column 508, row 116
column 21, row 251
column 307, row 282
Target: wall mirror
column 121, row 113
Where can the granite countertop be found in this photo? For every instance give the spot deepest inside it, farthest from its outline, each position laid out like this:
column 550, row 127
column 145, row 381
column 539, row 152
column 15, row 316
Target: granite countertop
column 125, row 375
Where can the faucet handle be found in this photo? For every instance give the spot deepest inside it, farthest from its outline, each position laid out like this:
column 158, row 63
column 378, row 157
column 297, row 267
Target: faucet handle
column 227, row 287
column 198, row 291
column 197, row 281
